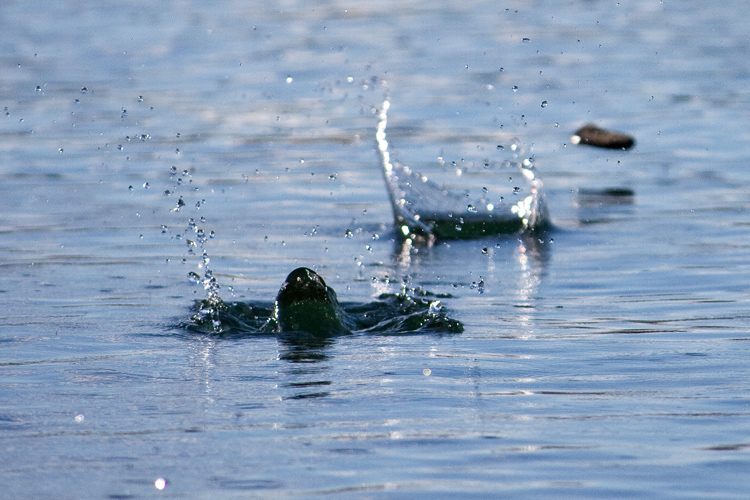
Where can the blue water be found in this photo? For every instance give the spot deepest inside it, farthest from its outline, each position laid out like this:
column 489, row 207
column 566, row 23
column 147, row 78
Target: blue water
column 607, row 359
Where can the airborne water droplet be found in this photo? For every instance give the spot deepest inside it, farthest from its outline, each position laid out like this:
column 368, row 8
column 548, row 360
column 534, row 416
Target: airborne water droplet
column 544, row 104
column 194, row 278
column 178, row 206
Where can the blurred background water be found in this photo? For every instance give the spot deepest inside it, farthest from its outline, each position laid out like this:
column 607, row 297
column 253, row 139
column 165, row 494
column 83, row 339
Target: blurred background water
column 607, row 359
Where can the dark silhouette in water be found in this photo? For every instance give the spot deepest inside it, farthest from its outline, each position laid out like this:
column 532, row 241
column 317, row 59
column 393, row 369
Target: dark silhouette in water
column 592, row 135
column 307, row 310
column 306, row 304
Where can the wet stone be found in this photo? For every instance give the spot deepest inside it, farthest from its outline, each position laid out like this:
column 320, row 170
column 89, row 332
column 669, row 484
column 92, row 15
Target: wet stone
column 592, row 135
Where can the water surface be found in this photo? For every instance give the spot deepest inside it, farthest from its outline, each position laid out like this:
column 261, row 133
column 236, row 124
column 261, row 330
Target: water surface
column 607, row 359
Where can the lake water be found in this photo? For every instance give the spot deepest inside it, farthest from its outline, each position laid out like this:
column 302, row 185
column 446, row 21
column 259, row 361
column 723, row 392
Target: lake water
column 606, row 359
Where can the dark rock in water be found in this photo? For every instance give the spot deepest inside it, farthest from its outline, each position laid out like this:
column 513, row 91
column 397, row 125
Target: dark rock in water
column 306, row 304
column 601, row 138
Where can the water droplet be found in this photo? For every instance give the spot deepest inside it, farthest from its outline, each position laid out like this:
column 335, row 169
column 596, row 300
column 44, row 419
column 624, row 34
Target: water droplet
column 485, row 250
column 160, row 483
column 194, row 278
column 178, row 206
column 471, row 208
column 526, row 40
column 84, row 90
column 500, row 147
column 426, row 372
column 544, row 104
column 516, row 190
column 478, row 285
column 130, row 187
column 79, row 418
column 140, row 98
column 173, row 170
column 119, row 146
column 60, row 150
column 348, row 233
column 38, row 88
column 515, row 88
column 289, row 79
column 146, row 185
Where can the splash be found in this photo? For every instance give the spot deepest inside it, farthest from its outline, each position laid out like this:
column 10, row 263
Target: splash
column 422, row 208
column 390, row 314
column 306, row 308
column 195, row 235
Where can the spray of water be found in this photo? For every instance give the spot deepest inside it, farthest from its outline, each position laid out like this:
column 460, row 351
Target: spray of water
column 195, row 235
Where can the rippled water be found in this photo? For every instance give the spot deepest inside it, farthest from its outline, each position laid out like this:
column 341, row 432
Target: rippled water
column 607, row 359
